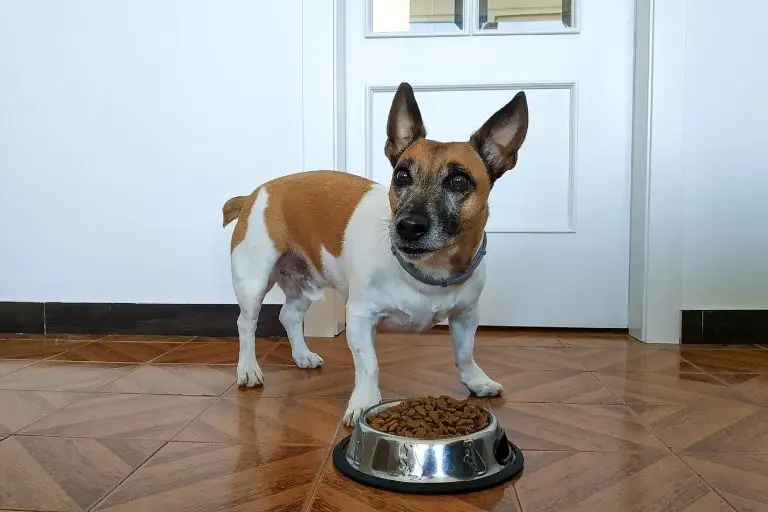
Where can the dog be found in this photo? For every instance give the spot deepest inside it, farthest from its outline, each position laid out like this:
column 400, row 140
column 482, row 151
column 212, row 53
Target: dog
column 406, row 256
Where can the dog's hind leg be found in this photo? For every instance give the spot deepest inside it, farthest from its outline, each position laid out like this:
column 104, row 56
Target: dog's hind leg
column 251, row 286
column 300, row 290
column 252, row 262
column 292, row 318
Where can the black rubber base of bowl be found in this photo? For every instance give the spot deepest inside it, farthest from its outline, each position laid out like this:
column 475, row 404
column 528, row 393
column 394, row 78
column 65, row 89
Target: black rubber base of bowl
column 514, row 467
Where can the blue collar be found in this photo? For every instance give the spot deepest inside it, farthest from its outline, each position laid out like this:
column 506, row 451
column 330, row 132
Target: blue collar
column 420, row 276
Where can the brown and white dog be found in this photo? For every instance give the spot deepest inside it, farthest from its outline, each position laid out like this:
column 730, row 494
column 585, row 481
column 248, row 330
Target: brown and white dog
column 405, row 256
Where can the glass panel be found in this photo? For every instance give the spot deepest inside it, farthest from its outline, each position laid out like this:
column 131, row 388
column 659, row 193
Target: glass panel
column 417, row 16
column 525, row 15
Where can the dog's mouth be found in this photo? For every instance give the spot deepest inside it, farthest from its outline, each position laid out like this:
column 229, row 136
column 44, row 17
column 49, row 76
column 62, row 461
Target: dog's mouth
column 414, row 252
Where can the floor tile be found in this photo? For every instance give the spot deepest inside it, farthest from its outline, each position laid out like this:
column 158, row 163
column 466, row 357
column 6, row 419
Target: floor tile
column 660, row 389
column 598, row 340
column 117, row 352
column 223, row 339
column 336, row 493
column 211, row 476
column 211, row 353
column 720, row 346
column 53, row 337
column 483, row 338
column 404, row 382
column 11, row 366
column 60, row 474
column 740, row 479
column 149, row 337
column 176, row 379
column 753, row 386
column 525, row 358
column 729, row 361
column 644, row 361
column 268, row 422
column 22, row 408
column 555, row 386
column 64, row 376
column 595, row 481
column 581, row 427
column 122, row 416
column 487, row 357
column 35, row 349
column 731, row 429
column 517, row 339
column 294, row 382
column 334, row 352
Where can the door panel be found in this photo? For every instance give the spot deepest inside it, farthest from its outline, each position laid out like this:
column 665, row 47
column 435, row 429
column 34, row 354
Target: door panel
column 558, row 230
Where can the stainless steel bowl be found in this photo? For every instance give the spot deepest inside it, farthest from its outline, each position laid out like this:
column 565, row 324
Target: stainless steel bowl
column 404, row 464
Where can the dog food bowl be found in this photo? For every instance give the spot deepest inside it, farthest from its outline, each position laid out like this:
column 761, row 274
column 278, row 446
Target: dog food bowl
column 480, row 460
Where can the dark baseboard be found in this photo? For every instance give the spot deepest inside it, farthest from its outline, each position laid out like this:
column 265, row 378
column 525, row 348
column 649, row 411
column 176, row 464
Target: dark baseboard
column 724, row 326
column 26, row 317
column 123, row 318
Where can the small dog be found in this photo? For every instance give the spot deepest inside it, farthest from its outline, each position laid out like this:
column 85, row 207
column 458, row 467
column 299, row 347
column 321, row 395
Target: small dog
column 405, row 256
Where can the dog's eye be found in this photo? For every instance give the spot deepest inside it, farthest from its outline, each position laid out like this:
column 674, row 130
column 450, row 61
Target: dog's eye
column 459, row 182
column 402, row 177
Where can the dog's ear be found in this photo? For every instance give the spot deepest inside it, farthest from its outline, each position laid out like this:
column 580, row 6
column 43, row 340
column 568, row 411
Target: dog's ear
column 404, row 125
column 499, row 139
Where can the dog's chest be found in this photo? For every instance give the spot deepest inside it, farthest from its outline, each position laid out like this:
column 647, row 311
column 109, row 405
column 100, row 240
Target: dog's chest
column 413, row 318
column 410, row 310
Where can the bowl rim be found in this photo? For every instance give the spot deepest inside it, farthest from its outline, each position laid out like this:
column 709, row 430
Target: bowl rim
column 364, row 425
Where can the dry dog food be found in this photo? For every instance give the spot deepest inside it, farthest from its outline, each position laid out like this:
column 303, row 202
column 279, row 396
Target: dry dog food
column 431, row 417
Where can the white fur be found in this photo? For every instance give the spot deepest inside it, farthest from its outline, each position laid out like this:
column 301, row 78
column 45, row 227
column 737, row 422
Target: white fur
column 378, row 292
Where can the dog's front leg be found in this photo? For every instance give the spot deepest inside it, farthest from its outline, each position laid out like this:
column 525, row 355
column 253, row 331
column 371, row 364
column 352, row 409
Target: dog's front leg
column 360, row 337
column 462, row 326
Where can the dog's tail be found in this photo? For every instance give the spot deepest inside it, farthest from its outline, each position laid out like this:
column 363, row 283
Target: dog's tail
column 232, row 208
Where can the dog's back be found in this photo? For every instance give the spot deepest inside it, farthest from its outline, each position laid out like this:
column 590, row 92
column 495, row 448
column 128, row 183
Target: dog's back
column 306, row 212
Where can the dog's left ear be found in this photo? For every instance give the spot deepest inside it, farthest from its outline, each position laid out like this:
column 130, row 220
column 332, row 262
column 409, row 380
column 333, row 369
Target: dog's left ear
column 404, row 125
column 499, row 139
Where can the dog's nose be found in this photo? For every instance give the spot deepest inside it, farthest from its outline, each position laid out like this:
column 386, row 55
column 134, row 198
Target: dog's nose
column 413, row 226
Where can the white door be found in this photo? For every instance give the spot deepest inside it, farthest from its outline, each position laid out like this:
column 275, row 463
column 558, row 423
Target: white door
column 558, row 232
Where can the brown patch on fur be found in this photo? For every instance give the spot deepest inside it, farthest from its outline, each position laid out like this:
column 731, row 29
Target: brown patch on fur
column 430, row 156
column 307, row 212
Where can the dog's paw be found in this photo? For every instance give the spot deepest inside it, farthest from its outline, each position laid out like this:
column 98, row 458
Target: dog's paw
column 485, row 387
column 359, row 402
column 249, row 375
column 308, row 360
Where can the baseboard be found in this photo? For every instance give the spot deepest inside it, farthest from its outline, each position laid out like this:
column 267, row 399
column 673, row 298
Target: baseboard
column 125, row 318
column 724, row 326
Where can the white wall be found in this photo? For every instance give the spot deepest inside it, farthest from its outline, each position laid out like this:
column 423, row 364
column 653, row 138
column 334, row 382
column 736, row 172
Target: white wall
column 125, row 125
column 725, row 244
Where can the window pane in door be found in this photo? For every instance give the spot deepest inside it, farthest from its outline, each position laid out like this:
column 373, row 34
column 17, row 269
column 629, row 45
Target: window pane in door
column 525, row 15
column 417, row 16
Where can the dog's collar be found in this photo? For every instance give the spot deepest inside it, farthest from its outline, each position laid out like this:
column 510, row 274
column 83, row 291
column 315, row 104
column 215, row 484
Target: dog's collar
column 421, row 276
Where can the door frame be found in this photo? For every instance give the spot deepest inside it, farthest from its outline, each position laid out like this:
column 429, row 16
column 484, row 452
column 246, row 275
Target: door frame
column 655, row 248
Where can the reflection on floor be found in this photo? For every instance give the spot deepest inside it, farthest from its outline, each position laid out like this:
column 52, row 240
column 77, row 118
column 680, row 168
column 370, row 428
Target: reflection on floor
column 155, row 423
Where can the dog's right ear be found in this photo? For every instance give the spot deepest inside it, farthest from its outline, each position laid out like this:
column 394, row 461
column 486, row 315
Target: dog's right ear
column 404, row 125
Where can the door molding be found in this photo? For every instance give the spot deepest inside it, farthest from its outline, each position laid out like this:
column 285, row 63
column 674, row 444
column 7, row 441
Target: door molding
column 323, row 118
column 655, row 287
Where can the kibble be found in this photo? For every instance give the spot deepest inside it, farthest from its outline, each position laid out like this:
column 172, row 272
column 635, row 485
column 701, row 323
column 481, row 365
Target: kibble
column 432, row 417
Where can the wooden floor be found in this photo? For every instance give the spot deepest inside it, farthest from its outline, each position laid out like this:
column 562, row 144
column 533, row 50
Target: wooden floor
column 155, row 424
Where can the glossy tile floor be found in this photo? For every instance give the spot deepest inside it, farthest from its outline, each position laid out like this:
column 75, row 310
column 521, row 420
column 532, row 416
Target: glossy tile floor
column 155, row 424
